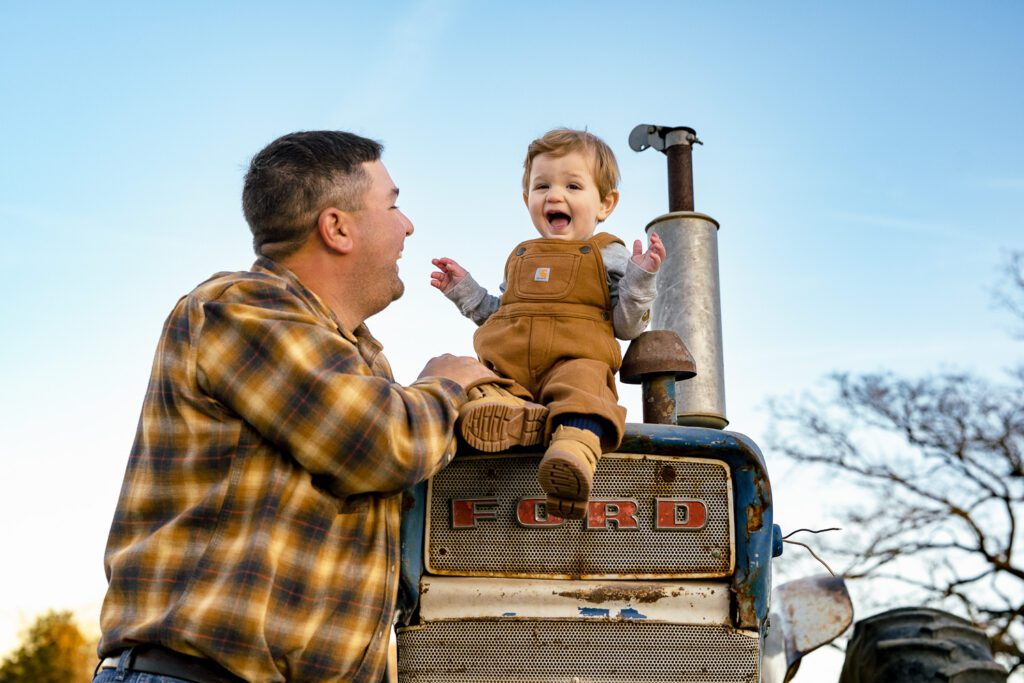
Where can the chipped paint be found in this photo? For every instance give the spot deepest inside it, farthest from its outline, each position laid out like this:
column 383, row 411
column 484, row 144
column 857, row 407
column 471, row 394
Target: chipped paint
column 630, row 613
column 755, row 518
column 609, row 593
column 451, row 598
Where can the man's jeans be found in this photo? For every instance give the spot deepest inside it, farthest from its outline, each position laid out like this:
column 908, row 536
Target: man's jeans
column 110, row 676
column 121, row 675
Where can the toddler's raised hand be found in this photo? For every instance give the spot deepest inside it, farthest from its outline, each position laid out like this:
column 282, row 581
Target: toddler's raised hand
column 651, row 259
column 450, row 273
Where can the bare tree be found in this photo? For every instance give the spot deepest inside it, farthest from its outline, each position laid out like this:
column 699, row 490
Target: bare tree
column 940, row 461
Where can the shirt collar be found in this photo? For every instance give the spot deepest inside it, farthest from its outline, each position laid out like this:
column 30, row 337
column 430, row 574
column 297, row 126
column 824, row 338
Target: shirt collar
column 368, row 346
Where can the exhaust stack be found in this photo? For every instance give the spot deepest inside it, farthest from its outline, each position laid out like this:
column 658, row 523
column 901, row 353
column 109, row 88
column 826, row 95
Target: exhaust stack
column 689, row 298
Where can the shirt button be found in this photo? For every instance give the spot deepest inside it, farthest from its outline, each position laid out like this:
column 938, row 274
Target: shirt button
column 584, row 250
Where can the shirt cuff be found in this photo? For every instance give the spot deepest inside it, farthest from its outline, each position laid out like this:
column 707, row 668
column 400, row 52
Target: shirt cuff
column 641, row 284
column 448, row 388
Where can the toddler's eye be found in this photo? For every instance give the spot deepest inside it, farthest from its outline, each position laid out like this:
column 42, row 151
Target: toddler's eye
column 574, row 186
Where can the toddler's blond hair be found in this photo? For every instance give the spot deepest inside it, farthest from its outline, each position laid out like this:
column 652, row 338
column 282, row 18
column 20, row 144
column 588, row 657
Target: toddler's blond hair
column 562, row 141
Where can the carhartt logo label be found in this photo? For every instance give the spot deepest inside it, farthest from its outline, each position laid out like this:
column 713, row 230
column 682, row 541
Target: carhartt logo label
column 542, row 275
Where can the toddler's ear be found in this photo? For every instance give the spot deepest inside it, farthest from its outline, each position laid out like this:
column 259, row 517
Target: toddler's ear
column 526, row 199
column 608, row 204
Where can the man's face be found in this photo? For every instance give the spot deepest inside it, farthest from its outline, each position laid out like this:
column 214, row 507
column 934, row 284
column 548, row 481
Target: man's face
column 563, row 199
column 381, row 230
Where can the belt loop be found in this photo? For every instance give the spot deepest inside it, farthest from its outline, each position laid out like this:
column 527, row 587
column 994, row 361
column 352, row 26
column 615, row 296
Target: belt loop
column 124, row 663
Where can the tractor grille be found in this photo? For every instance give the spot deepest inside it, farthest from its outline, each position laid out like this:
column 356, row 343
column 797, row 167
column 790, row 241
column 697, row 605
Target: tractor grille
column 498, row 544
column 574, row 652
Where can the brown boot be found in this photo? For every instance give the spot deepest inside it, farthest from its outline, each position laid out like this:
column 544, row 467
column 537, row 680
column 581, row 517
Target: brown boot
column 567, row 471
column 494, row 419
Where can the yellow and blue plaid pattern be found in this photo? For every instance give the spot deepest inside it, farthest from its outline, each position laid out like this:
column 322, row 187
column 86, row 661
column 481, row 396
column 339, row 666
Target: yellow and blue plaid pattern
column 258, row 521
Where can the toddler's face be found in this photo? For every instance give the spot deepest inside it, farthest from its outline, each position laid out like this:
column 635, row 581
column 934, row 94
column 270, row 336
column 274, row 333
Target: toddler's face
column 563, row 199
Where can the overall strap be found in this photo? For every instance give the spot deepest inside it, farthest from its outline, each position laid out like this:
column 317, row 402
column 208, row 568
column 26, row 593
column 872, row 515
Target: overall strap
column 603, row 239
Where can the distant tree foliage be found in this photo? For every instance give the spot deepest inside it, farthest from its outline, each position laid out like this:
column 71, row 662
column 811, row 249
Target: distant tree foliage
column 940, row 460
column 53, row 650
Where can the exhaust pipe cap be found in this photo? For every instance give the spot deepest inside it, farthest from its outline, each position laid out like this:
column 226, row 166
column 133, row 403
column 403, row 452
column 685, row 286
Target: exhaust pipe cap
column 657, row 353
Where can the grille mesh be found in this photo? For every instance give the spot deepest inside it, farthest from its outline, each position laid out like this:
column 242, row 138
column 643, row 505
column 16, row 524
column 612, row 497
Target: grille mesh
column 574, row 652
column 501, row 546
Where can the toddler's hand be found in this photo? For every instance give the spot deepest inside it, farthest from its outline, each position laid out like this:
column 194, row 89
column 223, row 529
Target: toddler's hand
column 449, row 275
column 652, row 258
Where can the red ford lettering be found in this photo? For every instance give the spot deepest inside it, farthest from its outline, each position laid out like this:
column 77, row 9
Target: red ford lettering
column 603, row 515
column 679, row 513
column 532, row 513
column 467, row 511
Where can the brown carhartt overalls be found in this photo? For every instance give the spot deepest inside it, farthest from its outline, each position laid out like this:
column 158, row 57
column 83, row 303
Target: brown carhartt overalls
column 553, row 335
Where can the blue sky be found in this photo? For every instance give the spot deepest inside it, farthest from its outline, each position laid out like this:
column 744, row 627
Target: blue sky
column 864, row 162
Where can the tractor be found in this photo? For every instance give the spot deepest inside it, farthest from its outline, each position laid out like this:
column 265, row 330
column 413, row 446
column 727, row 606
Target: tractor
column 668, row 576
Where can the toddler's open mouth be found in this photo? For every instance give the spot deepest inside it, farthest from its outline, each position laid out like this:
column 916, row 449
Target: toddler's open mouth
column 558, row 220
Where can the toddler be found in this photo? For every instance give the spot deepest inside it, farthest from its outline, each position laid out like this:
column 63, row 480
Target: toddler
column 551, row 334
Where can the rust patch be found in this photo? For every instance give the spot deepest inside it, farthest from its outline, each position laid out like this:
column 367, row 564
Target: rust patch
column 605, row 594
column 665, row 473
column 755, row 518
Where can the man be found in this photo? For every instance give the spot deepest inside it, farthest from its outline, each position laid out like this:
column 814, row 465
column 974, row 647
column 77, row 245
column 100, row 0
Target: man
column 256, row 534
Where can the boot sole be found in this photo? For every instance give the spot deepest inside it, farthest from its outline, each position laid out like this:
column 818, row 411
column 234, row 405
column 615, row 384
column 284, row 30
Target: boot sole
column 566, row 509
column 563, row 479
column 496, row 427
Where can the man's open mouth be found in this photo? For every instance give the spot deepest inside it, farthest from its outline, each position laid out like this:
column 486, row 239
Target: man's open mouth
column 558, row 220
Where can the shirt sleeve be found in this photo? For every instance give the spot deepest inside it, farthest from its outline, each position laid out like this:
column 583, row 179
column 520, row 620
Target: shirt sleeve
column 473, row 300
column 304, row 387
column 632, row 290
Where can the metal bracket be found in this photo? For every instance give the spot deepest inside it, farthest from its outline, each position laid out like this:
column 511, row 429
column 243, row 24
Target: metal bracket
column 661, row 137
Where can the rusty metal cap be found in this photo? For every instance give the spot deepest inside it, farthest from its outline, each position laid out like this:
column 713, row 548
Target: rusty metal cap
column 657, row 352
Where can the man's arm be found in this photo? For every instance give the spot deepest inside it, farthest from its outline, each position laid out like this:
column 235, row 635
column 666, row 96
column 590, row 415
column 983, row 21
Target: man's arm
column 300, row 384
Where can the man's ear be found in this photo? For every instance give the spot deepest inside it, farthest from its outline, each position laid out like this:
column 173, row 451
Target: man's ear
column 608, row 204
column 335, row 229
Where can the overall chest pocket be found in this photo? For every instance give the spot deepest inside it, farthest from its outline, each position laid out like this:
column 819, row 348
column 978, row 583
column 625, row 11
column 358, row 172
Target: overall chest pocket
column 544, row 277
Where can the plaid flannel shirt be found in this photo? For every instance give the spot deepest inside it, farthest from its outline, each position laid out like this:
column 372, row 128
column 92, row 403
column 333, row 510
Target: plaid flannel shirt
column 258, row 521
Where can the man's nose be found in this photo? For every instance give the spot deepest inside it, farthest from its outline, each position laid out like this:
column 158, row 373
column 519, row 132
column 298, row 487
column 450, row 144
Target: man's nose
column 409, row 229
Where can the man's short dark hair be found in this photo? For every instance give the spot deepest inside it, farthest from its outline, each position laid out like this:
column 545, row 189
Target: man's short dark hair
column 295, row 177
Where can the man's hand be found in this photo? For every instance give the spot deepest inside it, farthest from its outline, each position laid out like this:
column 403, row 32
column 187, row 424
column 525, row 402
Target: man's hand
column 460, row 369
column 449, row 275
column 652, row 258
